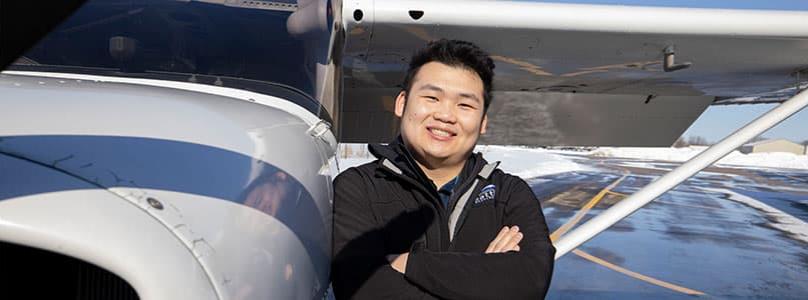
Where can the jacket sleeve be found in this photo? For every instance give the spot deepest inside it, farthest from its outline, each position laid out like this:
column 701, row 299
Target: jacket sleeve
column 360, row 269
column 513, row 275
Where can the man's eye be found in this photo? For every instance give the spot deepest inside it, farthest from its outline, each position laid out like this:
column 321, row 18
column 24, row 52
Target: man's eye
column 431, row 98
column 466, row 106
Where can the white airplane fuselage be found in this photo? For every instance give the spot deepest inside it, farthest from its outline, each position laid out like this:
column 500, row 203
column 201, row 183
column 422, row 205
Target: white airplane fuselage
column 183, row 194
column 185, row 146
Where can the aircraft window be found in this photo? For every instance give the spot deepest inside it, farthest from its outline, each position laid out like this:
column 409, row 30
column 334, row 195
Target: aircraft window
column 242, row 44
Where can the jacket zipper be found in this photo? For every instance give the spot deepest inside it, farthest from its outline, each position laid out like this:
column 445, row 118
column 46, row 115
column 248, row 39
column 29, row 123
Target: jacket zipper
column 442, row 211
column 443, row 224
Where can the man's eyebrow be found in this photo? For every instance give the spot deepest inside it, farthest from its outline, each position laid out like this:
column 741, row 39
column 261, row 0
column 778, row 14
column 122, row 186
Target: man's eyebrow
column 472, row 96
column 438, row 89
column 431, row 87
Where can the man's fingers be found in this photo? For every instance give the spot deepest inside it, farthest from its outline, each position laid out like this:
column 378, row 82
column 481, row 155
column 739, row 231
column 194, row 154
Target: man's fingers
column 513, row 243
column 499, row 236
column 505, row 230
column 499, row 248
column 505, row 240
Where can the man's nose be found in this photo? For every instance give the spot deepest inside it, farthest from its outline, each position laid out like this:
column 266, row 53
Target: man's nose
column 445, row 112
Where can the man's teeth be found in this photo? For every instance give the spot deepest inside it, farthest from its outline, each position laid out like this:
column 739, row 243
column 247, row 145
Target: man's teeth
column 439, row 132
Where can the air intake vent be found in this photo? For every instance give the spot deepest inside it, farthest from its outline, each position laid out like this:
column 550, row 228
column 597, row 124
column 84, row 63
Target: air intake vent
column 29, row 273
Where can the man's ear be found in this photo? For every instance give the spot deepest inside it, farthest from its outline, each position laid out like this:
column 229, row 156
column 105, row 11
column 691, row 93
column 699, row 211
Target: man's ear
column 401, row 101
column 484, row 124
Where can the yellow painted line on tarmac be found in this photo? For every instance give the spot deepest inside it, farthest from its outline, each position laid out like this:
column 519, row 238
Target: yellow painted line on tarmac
column 617, row 194
column 636, row 275
column 584, row 210
column 556, row 198
column 577, row 218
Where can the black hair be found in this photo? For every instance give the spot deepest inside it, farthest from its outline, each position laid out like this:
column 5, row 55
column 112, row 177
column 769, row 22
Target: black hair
column 454, row 53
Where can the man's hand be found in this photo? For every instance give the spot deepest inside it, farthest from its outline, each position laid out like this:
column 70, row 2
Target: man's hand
column 507, row 240
column 399, row 262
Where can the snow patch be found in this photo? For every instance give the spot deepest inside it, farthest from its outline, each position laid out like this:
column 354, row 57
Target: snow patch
column 518, row 161
column 345, row 163
column 529, row 162
column 735, row 158
column 641, row 165
column 783, row 221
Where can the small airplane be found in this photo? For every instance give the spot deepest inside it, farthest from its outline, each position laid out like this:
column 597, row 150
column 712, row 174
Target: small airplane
column 185, row 149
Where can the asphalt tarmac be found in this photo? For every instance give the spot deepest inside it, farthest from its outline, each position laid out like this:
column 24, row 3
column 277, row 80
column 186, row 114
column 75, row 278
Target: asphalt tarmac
column 735, row 233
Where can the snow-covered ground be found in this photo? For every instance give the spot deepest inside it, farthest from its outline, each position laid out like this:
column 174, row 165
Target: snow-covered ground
column 529, row 162
column 779, row 219
column 735, row 158
column 519, row 161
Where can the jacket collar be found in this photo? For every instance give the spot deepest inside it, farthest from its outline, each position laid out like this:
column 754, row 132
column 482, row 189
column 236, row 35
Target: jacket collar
column 397, row 154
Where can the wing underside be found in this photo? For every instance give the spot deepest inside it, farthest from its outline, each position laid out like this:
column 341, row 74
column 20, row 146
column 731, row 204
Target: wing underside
column 570, row 74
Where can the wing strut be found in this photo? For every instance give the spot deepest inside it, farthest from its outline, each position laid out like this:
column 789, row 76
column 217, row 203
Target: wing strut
column 656, row 188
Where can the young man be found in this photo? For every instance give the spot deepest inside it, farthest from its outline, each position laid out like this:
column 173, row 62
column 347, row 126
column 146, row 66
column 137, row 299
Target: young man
column 429, row 219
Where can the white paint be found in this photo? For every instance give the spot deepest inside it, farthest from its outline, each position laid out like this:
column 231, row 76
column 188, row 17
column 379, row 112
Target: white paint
column 597, row 18
column 785, row 222
column 122, row 240
column 263, row 99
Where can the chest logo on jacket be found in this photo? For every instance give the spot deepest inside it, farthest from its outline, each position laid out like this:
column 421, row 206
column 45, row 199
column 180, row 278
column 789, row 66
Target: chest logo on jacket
column 486, row 194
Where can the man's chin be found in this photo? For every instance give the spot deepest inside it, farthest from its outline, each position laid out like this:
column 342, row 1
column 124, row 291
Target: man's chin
column 438, row 155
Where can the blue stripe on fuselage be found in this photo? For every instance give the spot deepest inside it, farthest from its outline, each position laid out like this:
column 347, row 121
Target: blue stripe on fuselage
column 147, row 163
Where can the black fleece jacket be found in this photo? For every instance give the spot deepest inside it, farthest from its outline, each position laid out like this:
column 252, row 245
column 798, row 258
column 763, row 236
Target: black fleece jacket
column 381, row 210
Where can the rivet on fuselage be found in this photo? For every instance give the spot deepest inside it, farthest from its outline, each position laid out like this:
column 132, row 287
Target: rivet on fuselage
column 154, row 203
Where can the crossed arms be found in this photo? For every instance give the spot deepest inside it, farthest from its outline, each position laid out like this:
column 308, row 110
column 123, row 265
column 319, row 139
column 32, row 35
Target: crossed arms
column 507, row 240
column 516, row 265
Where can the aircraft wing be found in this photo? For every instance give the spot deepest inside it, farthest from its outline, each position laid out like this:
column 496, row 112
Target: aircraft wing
column 572, row 74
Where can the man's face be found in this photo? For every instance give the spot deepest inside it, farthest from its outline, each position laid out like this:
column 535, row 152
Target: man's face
column 442, row 116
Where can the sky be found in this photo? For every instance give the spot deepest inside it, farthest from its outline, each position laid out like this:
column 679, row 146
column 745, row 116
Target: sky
column 719, row 121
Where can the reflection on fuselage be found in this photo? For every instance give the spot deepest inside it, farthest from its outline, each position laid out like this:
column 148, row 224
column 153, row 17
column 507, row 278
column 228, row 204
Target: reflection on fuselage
column 269, row 193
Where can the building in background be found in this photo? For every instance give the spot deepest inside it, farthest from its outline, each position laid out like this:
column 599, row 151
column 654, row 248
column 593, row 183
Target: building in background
column 776, row 145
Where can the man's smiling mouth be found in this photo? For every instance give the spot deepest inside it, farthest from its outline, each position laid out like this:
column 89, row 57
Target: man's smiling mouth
column 440, row 132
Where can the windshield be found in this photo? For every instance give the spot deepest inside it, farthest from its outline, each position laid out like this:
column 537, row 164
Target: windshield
column 240, row 44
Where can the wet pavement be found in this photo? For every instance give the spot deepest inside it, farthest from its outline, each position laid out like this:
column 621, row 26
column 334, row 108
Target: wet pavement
column 738, row 233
